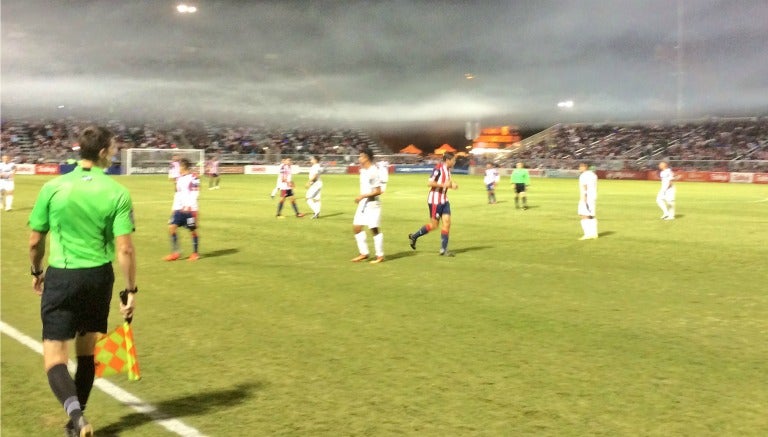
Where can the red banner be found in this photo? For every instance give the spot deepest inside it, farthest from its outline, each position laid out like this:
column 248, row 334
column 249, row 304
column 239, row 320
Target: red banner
column 695, row 176
column 760, row 178
column 232, row 169
column 46, row 168
column 623, row 174
column 719, row 176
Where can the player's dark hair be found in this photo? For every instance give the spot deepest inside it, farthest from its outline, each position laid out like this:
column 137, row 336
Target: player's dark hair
column 184, row 163
column 447, row 156
column 368, row 153
column 92, row 140
column 317, row 157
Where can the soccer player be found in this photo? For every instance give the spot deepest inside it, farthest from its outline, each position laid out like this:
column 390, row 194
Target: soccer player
column 314, row 186
column 383, row 174
column 173, row 169
column 368, row 211
column 437, row 202
column 212, row 170
column 587, row 202
column 286, row 189
column 666, row 197
column 184, row 210
column 490, row 180
column 279, row 176
column 521, row 178
column 7, row 171
column 87, row 214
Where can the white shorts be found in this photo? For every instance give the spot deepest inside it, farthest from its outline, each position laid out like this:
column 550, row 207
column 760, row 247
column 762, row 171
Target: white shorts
column 368, row 214
column 314, row 190
column 667, row 196
column 587, row 208
column 6, row 185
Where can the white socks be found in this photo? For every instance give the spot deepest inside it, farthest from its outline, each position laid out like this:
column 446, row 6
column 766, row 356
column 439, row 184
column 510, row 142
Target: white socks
column 8, row 201
column 663, row 205
column 590, row 227
column 378, row 244
column 314, row 205
column 362, row 245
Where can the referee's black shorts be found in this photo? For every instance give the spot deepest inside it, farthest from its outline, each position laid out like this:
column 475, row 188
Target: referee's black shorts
column 76, row 300
column 519, row 188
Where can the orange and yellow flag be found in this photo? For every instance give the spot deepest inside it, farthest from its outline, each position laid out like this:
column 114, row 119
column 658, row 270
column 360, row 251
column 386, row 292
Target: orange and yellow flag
column 116, row 353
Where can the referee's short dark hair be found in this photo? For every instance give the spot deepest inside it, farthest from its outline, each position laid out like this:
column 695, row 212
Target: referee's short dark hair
column 92, row 140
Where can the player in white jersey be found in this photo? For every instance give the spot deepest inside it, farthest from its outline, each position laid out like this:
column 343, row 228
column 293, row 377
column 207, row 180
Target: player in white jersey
column 314, row 186
column 7, row 171
column 174, row 168
column 368, row 211
column 666, row 197
column 184, row 210
column 490, row 180
column 587, row 202
column 383, row 167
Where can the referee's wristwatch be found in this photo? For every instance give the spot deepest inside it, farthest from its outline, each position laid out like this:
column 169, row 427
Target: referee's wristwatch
column 35, row 273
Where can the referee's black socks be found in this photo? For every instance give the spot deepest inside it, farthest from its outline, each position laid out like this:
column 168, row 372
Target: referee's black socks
column 63, row 387
column 86, row 371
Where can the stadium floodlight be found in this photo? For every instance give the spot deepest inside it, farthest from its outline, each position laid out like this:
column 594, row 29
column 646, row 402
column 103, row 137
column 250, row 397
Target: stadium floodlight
column 565, row 104
column 184, row 8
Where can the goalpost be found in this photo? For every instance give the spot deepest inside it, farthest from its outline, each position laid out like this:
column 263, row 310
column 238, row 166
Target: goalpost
column 157, row 161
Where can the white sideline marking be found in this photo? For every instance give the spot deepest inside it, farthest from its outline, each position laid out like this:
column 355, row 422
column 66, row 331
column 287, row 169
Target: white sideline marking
column 173, row 425
column 761, row 200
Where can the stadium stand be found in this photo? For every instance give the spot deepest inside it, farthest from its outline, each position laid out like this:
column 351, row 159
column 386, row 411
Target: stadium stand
column 717, row 144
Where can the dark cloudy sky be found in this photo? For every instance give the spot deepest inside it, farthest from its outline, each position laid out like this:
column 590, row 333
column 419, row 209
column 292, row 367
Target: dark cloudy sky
column 387, row 61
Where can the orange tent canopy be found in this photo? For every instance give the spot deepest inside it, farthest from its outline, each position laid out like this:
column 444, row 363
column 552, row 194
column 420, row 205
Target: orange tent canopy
column 444, row 148
column 411, row 149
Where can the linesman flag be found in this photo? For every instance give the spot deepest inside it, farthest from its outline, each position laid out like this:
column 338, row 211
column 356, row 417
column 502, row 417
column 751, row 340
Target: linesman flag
column 116, row 352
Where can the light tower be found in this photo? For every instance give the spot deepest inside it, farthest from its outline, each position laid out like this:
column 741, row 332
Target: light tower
column 185, row 8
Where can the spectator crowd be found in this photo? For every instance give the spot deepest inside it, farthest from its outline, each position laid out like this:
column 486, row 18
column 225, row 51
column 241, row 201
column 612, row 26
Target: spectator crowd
column 728, row 144
column 721, row 140
column 53, row 140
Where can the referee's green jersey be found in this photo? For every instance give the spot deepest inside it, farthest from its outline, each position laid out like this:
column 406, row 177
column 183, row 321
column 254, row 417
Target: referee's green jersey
column 84, row 211
column 521, row 176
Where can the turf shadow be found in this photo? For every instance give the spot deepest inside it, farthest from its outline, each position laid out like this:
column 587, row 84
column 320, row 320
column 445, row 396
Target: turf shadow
column 191, row 405
column 221, row 252
column 606, row 234
column 469, row 249
column 398, row 255
column 334, row 214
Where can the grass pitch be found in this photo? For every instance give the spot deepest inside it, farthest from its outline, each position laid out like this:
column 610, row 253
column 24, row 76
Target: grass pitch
column 657, row 328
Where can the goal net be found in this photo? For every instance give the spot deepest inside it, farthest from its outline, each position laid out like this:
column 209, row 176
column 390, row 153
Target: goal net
column 158, row 161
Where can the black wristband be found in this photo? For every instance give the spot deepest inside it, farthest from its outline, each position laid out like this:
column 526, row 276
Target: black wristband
column 134, row 291
column 34, row 272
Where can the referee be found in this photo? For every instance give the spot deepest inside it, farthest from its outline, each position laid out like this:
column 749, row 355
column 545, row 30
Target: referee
column 521, row 178
column 87, row 214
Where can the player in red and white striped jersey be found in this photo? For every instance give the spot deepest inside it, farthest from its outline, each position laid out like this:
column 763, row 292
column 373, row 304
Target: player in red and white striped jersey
column 212, row 170
column 286, row 188
column 437, row 201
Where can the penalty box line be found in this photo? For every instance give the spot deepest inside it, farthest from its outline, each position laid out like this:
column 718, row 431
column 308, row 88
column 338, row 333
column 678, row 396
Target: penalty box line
column 174, row 426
